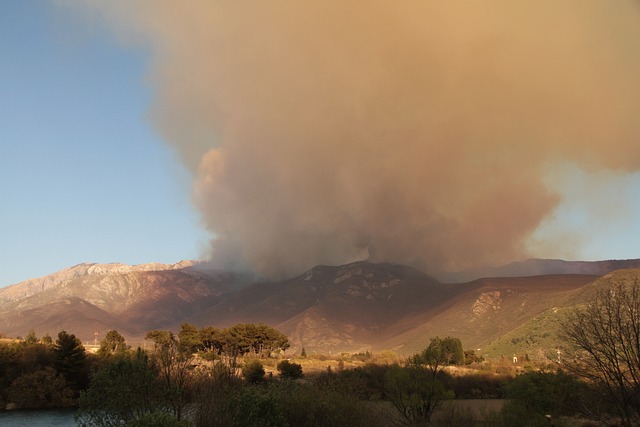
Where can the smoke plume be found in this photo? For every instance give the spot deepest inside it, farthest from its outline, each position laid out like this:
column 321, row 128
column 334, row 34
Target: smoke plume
column 420, row 131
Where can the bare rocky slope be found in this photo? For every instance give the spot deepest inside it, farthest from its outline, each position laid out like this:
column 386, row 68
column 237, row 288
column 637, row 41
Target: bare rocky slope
column 355, row 307
column 90, row 299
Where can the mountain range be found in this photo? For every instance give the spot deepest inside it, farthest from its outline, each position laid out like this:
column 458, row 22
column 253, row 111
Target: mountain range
column 355, row 307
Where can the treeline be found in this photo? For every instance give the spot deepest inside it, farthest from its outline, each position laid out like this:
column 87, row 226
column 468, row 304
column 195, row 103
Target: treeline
column 166, row 388
column 42, row 373
column 210, row 376
column 239, row 340
column 174, row 385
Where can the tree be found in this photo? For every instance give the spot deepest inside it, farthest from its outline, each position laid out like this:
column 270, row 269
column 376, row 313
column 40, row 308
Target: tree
column 189, row 338
column 414, row 393
column 31, row 337
column 70, row 360
column 415, row 390
column 211, row 338
column 605, row 335
column 174, row 367
column 112, row 343
column 46, row 339
column 442, row 352
column 124, row 390
column 259, row 339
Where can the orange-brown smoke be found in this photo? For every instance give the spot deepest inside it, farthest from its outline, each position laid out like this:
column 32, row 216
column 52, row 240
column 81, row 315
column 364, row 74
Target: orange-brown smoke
column 414, row 131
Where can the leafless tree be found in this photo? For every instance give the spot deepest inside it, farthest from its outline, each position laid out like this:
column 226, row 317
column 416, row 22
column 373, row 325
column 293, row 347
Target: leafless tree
column 174, row 367
column 605, row 335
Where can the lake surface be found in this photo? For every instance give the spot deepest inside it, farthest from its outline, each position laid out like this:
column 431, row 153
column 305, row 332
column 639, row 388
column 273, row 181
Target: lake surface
column 55, row 417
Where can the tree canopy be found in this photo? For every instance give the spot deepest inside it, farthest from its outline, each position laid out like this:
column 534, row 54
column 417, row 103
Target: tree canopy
column 112, row 343
column 442, row 352
column 70, row 360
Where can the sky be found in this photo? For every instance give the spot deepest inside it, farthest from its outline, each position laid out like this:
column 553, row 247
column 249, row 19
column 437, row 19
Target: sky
column 83, row 176
column 135, row 131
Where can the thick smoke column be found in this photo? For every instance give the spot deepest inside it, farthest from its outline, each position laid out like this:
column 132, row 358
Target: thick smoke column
column 415, row 131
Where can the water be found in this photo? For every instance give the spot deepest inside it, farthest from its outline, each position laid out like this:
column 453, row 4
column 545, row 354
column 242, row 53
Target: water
column 53, row 417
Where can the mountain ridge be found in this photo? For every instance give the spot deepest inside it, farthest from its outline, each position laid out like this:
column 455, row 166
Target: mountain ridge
column 354, row 307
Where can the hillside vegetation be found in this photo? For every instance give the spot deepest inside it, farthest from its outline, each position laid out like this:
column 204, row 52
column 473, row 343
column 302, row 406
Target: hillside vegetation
column 330, row 309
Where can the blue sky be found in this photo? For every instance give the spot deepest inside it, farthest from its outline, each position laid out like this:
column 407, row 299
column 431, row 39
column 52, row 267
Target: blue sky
column 83, row 176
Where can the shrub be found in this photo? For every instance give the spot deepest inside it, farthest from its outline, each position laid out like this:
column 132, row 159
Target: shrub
column 158, row 419
column 253, row 371
column 122, row 391
column 477, row 386
column 216, row 395
column 254, row 407
column 303, row 404
column 44, row 388
column 545, row 393
column 366, row 382
column 289, row 371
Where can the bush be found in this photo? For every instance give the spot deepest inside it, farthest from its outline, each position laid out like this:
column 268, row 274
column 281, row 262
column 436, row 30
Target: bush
column 44, row 388
column 303, row 404
column 366, row 382
column 158, row 419
column 253, row 371
column 289, row 371
column 216, row 395
column 477, row 385
column 545, row 393
column 254, row 407
column 122, row 391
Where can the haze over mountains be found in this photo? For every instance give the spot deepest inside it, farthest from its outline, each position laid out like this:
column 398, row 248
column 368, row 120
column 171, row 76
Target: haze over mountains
column 354, row 307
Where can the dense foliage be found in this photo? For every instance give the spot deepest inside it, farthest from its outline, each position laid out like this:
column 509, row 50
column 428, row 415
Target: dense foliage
column 124, row 390
column 38, row 375
column 192, row 378
column 441, row 352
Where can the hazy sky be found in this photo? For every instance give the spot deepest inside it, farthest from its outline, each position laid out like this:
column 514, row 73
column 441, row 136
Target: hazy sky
column 306, row 134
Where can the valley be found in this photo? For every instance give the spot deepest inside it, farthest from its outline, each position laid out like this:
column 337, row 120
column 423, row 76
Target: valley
column 351, row 308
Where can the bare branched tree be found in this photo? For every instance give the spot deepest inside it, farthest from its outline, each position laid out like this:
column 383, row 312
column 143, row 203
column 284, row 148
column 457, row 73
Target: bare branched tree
column 174, row 366
column 606, row 338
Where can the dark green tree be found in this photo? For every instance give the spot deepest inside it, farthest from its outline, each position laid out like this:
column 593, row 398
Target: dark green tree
column 112, row 343
column 441, row 352
column 211, row 338
column 259, row 339
column 70, row 360
column 189, row 338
